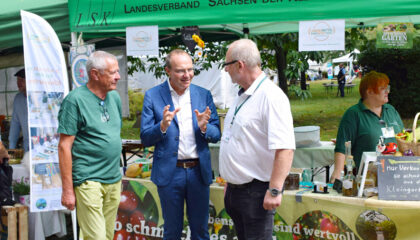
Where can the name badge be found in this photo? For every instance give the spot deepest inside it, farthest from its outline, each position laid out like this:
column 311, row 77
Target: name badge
column 388, row 132
column 226, row 135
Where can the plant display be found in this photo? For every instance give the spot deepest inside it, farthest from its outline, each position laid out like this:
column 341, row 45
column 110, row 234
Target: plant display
column 21, row 187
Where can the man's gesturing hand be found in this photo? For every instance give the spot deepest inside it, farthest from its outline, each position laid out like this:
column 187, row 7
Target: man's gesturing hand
column 168, row 116
column 203, row 119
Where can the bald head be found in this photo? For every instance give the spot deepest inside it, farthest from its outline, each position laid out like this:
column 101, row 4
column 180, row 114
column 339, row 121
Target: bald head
column 246, row 51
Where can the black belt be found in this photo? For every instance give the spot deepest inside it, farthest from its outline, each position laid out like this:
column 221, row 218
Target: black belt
column 187, row 163
column 246, row 185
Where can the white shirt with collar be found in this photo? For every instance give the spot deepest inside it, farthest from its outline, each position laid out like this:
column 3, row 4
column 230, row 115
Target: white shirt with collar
column 187, row 145
column 262, row 125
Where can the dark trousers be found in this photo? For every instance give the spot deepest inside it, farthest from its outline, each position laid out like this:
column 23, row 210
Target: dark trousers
column 341, row 87
column 187, row 185
column 245, row 206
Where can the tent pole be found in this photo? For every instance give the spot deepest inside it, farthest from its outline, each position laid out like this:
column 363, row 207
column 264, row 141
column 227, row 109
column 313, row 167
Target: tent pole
column 245, row 30
column 73, row 39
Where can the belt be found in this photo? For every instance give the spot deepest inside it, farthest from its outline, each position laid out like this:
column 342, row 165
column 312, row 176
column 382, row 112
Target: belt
column 187, row 163
column 246, row 185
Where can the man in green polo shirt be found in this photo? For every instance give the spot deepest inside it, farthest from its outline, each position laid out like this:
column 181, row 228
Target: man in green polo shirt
column 364, row 123
column 90, row 148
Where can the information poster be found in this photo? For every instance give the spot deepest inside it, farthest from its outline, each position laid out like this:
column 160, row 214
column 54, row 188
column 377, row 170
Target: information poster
column 395, row 35
column 142, row 41
column 325, row 35
column 46, row 84
column 78, row 58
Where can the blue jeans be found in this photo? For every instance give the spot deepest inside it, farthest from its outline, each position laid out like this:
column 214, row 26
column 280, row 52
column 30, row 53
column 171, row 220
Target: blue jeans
column 244, row 204
column 186, row 184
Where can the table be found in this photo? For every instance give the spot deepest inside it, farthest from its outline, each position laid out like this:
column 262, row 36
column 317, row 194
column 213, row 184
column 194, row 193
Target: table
column 130, row 146
column 302, row 214
column 317, row 156
column 321, row 156
column 41, row 224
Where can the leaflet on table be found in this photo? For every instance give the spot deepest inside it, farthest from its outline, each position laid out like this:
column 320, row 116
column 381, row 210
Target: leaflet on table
column 46, row 84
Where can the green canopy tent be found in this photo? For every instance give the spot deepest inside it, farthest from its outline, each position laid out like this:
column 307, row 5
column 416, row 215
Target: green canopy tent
column 111, row 17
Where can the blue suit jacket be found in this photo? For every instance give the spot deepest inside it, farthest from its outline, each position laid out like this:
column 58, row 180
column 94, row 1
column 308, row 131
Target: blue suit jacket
column 166, row 145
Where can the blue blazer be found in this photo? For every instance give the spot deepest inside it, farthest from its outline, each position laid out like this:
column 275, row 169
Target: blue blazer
column 166, row 145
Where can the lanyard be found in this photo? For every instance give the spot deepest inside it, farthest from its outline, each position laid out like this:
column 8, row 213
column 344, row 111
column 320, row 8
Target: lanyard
column 237, row 108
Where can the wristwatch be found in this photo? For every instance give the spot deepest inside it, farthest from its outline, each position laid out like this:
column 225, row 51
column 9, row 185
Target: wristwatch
column 275, row 192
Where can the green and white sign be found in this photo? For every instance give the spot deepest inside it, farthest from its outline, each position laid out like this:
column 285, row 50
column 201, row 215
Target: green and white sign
column 395, row 35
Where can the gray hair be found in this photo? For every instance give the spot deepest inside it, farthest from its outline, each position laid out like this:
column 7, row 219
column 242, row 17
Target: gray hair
column 246, row 51
column 174, row 52
column 98, row 59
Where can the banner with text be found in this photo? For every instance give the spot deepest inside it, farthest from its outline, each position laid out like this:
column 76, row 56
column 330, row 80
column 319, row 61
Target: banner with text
column 395, row 35
column 114, row 16
column 46, row 86
column 321, row 35
column 302, row 215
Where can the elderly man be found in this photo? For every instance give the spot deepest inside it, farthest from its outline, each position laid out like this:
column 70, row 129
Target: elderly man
column 20, row 114
column 90, row 147
column 257, row 145
column 179, row 119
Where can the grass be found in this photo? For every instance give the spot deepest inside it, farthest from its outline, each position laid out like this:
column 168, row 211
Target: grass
column 323, row 109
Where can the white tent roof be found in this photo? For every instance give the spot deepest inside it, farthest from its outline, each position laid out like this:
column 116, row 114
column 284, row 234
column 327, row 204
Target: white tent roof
column 346, row 58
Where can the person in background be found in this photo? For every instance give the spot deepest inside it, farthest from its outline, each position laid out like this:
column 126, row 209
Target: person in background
column 341, row 78
column 3, row 152
column 257, row 146
column 20, row 114
column 179, row 119
column 89, row 149
column 364, row 123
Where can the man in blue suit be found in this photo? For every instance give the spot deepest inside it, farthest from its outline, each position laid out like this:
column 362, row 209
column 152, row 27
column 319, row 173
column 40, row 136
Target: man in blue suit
column 179, row 119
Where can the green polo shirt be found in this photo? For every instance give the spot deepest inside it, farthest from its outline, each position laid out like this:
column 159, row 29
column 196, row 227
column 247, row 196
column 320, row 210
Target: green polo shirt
column 96, row 148
column 362, row 127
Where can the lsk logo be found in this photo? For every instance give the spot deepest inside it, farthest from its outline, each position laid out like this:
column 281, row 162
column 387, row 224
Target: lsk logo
column 321, row 31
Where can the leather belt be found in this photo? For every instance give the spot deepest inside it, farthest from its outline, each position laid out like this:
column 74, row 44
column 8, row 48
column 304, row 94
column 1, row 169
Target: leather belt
column 187, row 163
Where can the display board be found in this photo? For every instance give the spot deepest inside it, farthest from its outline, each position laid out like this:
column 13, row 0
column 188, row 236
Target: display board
column 399, row 178
column 302, row 215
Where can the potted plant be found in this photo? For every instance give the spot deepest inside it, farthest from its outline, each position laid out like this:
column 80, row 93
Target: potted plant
column 21, row 190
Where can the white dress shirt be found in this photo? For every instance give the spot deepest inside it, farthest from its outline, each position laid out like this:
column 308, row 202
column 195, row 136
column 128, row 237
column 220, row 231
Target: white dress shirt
column 262, row 125
column 187, row 145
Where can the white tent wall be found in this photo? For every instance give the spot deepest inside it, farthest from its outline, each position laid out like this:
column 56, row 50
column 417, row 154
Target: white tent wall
column 122, row 85
column 217, row 81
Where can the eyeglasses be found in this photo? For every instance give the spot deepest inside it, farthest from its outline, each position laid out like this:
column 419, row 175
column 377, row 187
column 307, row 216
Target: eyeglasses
column 386, row 89
column 105, row 114
column 229, row 63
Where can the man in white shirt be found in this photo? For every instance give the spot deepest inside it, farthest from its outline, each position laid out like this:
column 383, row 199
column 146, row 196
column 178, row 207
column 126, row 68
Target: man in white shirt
column 179, row 119
column 257, row 145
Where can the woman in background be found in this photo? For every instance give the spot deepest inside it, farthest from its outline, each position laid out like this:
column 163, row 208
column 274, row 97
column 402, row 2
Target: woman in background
column 364, row 123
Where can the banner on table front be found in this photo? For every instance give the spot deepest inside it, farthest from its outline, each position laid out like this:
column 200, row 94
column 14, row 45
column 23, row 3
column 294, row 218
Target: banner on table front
column 78, row 58
column 46, row 86
column 142, row 41
column 395, row 35
column 325, row 35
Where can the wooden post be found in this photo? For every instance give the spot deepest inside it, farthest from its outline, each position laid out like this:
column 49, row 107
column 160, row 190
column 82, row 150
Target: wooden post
column 23, row 221
column 15, row 215
column 11, row 222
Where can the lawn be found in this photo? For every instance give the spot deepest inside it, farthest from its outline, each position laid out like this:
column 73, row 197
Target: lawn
column 322, row 109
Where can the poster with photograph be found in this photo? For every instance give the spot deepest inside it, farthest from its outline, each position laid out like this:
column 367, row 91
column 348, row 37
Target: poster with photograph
column 395, row 35
column 46, row 84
